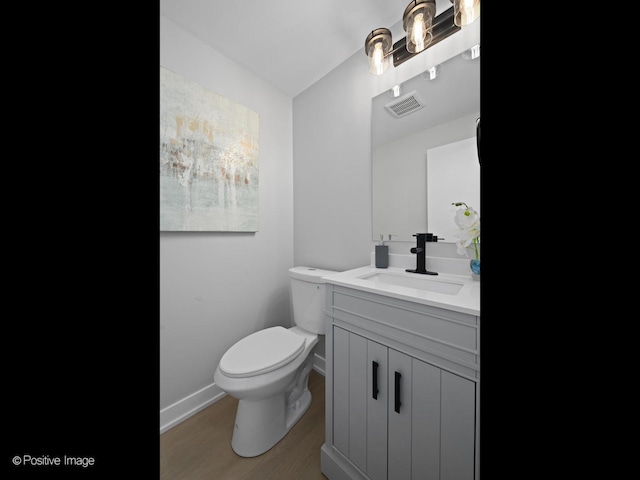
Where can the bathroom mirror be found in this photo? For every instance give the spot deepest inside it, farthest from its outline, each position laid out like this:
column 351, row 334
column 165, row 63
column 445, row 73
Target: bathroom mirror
column 424, row 158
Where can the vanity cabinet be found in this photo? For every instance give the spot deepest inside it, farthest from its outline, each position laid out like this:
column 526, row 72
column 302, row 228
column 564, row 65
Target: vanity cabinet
column 402, row 390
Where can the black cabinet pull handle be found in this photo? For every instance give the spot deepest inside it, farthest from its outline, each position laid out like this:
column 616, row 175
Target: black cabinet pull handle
column 375, row 380
column 397, row 393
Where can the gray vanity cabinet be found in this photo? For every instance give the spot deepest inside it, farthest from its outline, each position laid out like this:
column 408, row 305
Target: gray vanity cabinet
column 395, row 411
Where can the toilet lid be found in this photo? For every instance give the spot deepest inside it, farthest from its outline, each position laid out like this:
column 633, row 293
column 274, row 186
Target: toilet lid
column 261, row 352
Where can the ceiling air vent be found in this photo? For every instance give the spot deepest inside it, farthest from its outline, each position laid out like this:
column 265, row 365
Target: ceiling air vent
column 404, row 105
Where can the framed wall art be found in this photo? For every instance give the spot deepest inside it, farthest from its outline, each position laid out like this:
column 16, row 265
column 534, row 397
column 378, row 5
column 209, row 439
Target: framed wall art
column 209, row 164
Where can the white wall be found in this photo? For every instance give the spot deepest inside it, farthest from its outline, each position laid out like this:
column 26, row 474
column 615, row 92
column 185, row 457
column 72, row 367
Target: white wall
column 216, row 288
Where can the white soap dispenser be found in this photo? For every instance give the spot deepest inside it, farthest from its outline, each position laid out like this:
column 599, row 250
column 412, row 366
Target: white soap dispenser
column 382, row 253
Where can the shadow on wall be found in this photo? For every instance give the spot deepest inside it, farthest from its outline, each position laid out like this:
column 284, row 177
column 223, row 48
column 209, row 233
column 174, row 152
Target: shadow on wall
column 278, row 310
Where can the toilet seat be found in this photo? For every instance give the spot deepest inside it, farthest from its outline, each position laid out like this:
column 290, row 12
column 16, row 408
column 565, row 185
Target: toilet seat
column 261, row 352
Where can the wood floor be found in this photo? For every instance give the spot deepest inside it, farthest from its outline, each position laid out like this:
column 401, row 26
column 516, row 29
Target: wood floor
column 200, row 447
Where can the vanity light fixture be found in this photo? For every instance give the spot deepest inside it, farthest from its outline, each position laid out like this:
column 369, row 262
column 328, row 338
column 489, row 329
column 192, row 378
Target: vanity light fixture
column 423, row 31
column 465, row 11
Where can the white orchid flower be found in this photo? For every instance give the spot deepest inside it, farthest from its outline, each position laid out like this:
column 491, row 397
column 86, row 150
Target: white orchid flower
column 468, row 223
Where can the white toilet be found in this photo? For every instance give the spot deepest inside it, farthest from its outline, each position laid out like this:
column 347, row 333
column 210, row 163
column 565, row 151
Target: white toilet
column 268, row 371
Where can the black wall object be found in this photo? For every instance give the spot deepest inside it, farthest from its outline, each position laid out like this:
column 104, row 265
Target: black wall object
column 478, row 139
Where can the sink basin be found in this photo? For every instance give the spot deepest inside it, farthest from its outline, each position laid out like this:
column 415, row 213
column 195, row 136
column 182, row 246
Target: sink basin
column 415, row 280
column 459, row 293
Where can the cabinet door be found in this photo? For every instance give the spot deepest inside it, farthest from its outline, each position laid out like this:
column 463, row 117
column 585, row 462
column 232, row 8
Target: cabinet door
column 425, row 432
column 349, row 395
column 341, row 390
column 377, row 401
column 400, row 413
column 457, row 439
column 358, row 400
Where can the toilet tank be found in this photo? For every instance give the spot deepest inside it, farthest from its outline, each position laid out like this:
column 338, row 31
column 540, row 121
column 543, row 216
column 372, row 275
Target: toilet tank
column 308, row 297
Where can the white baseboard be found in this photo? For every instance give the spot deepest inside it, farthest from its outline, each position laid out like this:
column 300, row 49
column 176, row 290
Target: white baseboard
column 188, row 406
column 319, row 364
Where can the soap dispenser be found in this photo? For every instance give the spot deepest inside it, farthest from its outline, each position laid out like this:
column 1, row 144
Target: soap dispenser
column 382, row 253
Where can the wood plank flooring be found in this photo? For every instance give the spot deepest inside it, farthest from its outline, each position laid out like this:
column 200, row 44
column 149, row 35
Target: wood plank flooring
column 200, row 447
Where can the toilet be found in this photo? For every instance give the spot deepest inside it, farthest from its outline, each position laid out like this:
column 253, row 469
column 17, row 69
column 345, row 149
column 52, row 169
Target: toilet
column 268, row 371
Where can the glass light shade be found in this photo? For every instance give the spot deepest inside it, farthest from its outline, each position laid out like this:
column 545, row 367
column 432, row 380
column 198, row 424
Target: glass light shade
column 417, row 21
column 377, row 47
column 465, row 11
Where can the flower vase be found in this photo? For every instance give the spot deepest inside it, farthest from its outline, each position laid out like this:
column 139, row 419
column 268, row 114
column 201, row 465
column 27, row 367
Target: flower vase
column 474, row 264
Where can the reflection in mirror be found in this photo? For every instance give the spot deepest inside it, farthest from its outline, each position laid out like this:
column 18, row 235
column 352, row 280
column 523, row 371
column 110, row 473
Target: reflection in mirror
column 424, row 154
column 453, row 175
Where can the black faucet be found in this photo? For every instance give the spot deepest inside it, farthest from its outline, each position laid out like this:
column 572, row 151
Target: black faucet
column 420, row 250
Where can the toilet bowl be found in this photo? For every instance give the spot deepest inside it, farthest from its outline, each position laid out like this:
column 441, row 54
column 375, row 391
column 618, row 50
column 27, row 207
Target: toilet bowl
column 268, row 371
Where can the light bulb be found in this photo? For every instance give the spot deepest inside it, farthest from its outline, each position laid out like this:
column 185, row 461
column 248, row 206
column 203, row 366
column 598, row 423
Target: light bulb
column 466, row 11
column 418, row 33
column 468, row 8
column 378, row 58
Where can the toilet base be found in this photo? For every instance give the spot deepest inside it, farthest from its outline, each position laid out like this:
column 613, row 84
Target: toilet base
column 261, row 424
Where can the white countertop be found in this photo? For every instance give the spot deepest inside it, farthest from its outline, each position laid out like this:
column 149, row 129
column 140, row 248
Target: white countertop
column 467, row 300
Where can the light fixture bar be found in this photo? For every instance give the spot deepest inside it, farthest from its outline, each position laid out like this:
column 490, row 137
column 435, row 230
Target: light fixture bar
column 443, row 26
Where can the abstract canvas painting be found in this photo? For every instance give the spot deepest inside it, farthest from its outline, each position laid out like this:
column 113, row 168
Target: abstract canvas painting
column 209, row 165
